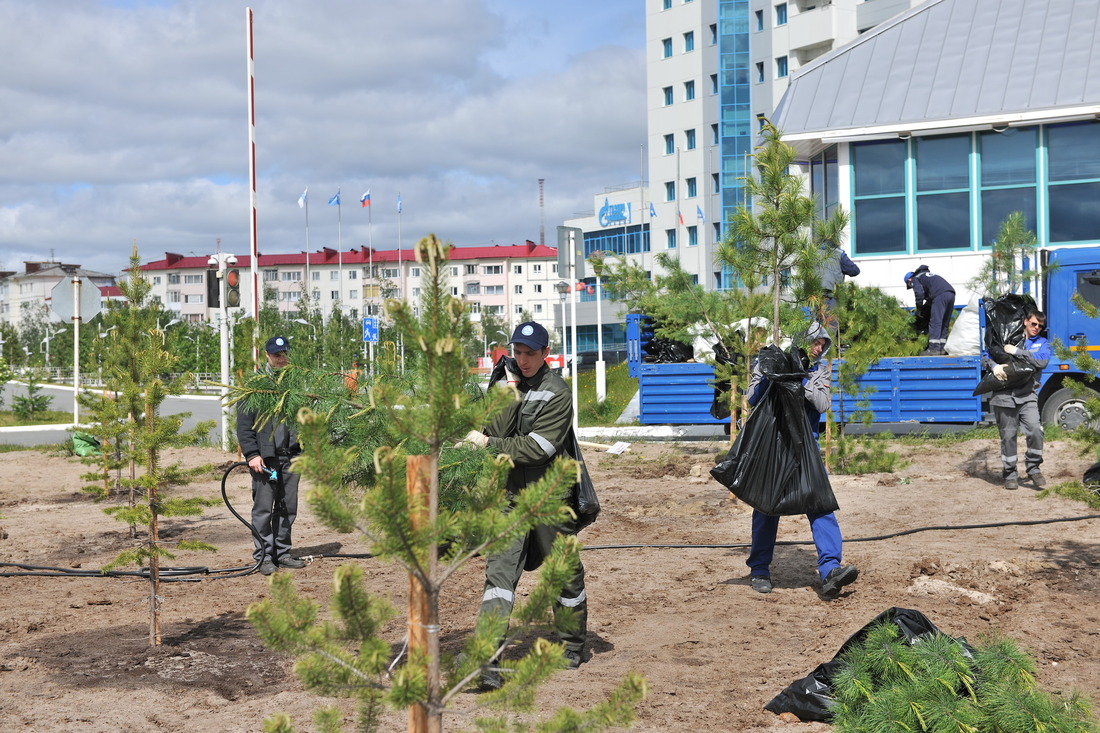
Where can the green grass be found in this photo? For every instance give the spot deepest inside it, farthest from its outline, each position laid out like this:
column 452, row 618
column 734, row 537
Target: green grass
column 45, row 448
column 9, row 419
column 620, row 390
column 1074, row 491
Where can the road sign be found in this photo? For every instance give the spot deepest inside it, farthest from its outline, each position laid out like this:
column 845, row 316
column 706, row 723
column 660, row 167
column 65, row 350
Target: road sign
column 370, row 330
column 61, row 299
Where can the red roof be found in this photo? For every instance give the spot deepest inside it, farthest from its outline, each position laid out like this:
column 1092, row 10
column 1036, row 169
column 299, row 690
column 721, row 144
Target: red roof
column 361, row 256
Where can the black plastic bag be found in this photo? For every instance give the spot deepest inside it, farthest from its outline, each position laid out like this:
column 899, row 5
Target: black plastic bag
column 1091, row 479
column 667, row 351
column 1004, row 318
column 810, row 698
column 774, row 465
column 1016, row 372
column 583, row 497
column 498, row 373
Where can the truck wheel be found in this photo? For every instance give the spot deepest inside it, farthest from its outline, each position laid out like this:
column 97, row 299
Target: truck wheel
column 1065, row 409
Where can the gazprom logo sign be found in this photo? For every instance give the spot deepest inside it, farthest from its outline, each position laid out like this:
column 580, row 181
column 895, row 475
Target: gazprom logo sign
column 612, row 214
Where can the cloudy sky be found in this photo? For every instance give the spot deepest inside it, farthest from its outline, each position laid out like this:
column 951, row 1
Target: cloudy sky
column 126, row 120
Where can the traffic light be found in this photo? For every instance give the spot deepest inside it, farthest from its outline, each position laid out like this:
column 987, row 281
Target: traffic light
column 233, row 289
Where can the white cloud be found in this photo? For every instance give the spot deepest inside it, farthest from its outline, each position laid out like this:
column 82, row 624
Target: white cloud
column 127, row 120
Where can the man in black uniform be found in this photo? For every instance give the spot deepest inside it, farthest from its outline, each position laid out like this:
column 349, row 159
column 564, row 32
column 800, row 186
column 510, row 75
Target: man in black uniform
column 940, row 295
column 269, row 446
column 533, row 431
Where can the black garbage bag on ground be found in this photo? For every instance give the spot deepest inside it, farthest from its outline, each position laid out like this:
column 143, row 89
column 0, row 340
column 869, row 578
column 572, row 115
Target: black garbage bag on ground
column 810, row 698
column 774, row 465
column 667, row 351
column 1091, row 479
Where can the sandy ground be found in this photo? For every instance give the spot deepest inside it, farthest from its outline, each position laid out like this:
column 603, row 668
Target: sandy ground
column 74, row 653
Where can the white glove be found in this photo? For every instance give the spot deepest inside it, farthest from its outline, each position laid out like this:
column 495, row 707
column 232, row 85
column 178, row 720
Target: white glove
column 999, row 372
column 473, row 438
column 1010, row 349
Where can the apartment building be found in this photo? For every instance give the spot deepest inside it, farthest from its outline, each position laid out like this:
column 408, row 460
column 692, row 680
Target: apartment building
column 505, row 280
column 22, row 293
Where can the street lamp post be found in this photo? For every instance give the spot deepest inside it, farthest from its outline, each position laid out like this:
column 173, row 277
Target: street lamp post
column 563, row 287
column 221, row 260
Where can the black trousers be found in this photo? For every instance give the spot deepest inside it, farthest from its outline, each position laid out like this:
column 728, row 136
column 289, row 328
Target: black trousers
column 274, row 508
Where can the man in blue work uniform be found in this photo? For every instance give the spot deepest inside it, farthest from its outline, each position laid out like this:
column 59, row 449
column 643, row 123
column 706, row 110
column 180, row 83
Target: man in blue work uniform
column 825, row 528
column 1018, row 407
column 933, row 289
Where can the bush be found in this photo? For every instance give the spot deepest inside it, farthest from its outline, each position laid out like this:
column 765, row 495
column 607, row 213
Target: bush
column 26, row 408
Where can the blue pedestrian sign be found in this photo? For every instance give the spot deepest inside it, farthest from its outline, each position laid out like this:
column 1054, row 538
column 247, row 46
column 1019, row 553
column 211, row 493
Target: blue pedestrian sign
column 370, row 330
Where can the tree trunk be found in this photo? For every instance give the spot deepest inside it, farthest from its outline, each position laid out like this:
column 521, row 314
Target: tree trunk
column 423, row 624
column 154, row 531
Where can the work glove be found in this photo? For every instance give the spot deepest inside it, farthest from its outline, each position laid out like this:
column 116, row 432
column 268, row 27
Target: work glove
column 999, row 372
column 1010, row 349
column 505, row 372
column 473, row 439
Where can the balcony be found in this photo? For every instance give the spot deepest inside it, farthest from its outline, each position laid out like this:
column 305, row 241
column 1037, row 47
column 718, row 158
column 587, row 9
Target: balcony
column 822, row 27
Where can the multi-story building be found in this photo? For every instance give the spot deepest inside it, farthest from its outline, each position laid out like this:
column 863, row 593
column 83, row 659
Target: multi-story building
column 715, row 69
column 23, row 292
column 505, row 280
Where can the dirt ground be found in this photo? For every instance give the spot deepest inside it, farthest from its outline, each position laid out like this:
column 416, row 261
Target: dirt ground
column 74, row 653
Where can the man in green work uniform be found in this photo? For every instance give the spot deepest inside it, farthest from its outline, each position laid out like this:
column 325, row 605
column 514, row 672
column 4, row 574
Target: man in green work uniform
column 533, row 431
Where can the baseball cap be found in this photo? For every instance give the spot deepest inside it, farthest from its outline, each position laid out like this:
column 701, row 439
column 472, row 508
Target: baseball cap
column 275, row 344
column 530, row 334
column 908, row 279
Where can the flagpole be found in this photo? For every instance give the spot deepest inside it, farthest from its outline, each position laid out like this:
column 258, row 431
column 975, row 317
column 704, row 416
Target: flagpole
column 339, row 248
column 400, row 279
column 254, row 250
column 304, row 201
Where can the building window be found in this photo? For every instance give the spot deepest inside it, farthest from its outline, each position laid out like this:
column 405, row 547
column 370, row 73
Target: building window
column 290, row 296
column 292, row 276
column 192, row 298
column 518, row 290
column 414, row 272
column 670, row 190
column 717, row 232
column 942, row 166
column 689, row 139
column 1008, row 178
column 781, row 67
column 538, row 308
column 173, row 279
column 667, row 92
column 517, row 269
column 518, row 309
column 761, row 120
column 714, row 134
column 759, row 72
column 689, row 41
column 713, row 83
column 194, row 279
column 670, row 144
column 1073, row 152
column 693, row 236
column 352, row 295
column 781, row 14
column 666, row 48
column 537, row 287
column 670, row 239
column 390, row 273
column 473, row 288
column 454, row 272
column 759, row 20
column 316, row 295
column 156, row 279
column 713, row 34
column 692, row 188
column 315, row 275
column 352, row 274
column 334, row 295
column 173, row 296
column 878, row 207
column 333, row 275
column 666, row 4
column 537, row 269
column 494, row 290
column 689, row 90
column 492, row 270
column 416, row 292
column 471, row 269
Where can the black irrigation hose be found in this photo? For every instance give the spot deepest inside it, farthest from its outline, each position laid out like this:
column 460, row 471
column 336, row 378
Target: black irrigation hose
column 177, row 575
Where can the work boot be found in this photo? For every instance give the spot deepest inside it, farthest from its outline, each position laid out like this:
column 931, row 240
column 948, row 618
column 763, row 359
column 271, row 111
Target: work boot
column 1012, row 484
column 761, row 583
column 491, row 679
column 293, row 563
column 267, row 567
column 1038, row 480
column 838, row 578
column 573, row 658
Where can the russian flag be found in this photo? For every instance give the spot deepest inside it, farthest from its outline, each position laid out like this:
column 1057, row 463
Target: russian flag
column 365, row 198
column 680, row 216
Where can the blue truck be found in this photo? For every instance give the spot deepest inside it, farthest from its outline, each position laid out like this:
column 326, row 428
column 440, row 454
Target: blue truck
column 912, row 389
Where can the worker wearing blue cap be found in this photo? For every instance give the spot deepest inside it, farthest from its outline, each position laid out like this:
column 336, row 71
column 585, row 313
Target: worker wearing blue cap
column 940, row 295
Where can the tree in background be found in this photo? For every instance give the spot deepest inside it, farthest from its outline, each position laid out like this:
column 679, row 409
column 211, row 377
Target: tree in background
column 1004, row 271
column 398, row 507
column 137, row 373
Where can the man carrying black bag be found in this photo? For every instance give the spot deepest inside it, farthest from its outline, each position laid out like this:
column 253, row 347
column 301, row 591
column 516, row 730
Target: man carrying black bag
column 806, row 383
column 534, row 431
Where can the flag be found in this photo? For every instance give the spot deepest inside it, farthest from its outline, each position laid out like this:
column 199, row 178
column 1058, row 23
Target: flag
column 335, row 200
column 302, row 198
column 398, row 203
column 699, row 214
column 652, row 211
column 679, row 215
column 365, row 198
column 581, row 287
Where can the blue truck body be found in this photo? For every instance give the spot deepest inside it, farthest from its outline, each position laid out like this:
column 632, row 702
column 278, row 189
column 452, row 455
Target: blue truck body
column 920, row 389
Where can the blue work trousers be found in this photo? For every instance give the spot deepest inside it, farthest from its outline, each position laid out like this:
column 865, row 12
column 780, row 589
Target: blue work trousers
column 827, row 539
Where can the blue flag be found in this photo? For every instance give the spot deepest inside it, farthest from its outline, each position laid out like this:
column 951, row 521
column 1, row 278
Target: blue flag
column 398, row 203
column 652, row 211
column 303, row 198
column 699, row 213
column 335, row 200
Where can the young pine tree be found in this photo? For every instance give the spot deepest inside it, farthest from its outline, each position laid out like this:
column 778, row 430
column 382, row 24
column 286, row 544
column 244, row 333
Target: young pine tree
column 1004, row 271
column 419, row 422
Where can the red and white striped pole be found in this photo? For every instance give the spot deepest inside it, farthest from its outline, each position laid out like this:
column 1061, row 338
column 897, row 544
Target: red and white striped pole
column 254, row 259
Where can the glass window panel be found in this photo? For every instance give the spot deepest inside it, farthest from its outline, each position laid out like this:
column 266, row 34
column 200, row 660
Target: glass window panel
column 1074, row 151
column 999, row 203
column 1074, row 215
column 878, row 226
column 1008, row 157
column 942, row 162
column 879, row 167
column 943, row 221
